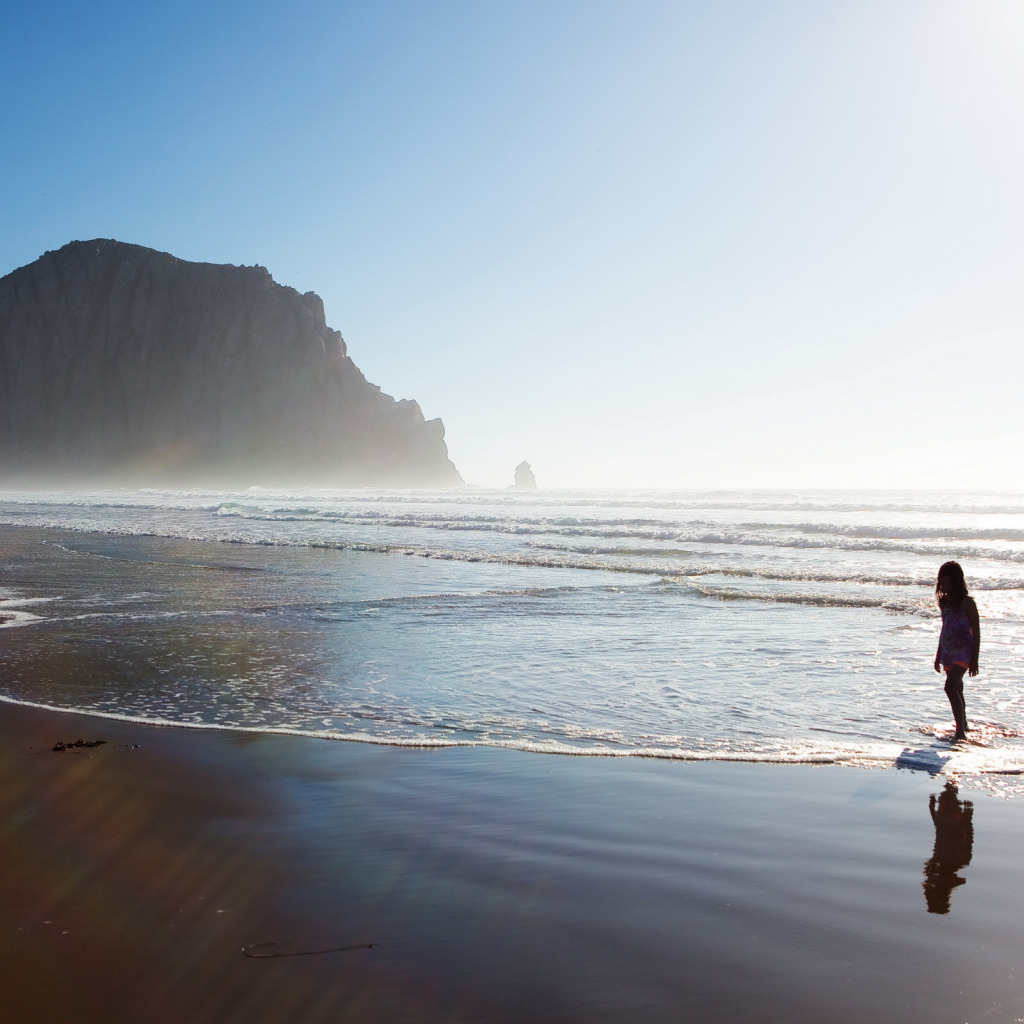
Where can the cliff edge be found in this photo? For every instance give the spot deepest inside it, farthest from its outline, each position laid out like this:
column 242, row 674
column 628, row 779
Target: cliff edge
column 123, row 365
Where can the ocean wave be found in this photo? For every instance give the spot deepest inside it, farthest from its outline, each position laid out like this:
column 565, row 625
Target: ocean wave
column 891, row 578
column 824, row 502
column 218, row 567
column 891, row 532
column 686, row 574
column 644, row 528
column 12, row 617
column 721, row 538
column 12, row 609
column 906, row 606
column 590, row 519
column 767, row 533
column 211, row 505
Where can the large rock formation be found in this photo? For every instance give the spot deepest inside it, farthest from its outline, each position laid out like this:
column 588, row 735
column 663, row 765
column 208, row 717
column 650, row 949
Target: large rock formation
column 524, row 479
column 123, row 365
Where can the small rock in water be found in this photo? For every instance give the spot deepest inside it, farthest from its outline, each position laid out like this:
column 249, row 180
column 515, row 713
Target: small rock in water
column 525, row 480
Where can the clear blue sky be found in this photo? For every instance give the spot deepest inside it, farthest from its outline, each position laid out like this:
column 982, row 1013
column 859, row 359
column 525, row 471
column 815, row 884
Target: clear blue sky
column 636, row 243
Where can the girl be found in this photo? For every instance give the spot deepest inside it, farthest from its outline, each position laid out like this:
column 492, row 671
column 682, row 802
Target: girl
column 959, row 640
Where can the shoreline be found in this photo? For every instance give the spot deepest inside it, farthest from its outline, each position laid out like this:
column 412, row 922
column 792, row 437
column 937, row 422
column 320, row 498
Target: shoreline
column 933, row 758
column 191, row 633
column 441, row 744
column 481, row 884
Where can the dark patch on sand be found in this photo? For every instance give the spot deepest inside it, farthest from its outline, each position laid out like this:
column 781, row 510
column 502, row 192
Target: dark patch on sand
column 76, row 744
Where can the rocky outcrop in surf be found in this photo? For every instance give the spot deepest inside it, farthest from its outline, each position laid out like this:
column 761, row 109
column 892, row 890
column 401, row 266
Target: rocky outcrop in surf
column 524, row 480
column 123, row 365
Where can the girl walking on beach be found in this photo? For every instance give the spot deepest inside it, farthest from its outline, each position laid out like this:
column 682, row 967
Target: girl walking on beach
column 959, row 641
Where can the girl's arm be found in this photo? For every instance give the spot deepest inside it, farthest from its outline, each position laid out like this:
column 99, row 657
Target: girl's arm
column 938, row 651
column 972, row 615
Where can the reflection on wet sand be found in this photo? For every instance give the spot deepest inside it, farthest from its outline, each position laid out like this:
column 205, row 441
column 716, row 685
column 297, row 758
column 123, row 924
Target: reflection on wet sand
column 954, row 844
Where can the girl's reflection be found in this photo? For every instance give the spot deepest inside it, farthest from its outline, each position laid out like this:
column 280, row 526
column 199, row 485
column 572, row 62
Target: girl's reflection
column 954, row 843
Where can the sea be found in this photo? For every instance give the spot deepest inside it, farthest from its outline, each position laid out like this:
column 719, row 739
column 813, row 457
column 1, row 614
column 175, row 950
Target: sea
column 775, row 626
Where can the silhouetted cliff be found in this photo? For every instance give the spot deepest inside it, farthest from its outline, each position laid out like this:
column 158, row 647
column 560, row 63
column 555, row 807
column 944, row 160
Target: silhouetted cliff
column 119, row 364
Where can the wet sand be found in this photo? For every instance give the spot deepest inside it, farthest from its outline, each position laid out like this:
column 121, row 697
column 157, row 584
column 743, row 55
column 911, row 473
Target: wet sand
column 491, row 885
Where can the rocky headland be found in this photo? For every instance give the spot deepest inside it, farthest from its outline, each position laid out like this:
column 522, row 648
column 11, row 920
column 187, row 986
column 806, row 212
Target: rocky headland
column 120, row 365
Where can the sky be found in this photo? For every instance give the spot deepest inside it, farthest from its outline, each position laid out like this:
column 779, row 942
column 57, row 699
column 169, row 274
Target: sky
column 637, row 244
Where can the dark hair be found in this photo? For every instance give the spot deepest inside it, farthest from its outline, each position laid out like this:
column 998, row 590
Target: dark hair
column 950, row 587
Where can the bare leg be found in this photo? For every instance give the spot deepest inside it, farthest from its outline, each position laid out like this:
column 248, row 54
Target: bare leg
column 955, row 693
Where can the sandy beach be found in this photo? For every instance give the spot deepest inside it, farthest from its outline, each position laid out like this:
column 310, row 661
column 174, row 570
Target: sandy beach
column 188, row 875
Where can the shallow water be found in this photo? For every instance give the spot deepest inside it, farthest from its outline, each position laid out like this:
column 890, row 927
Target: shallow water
column 753, row 626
